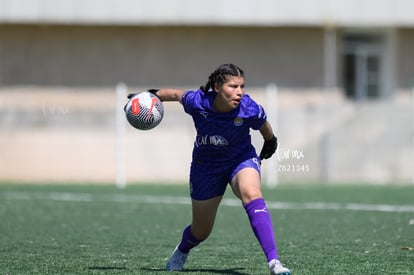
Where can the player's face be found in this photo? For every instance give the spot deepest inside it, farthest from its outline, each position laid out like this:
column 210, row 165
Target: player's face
column 229, row 94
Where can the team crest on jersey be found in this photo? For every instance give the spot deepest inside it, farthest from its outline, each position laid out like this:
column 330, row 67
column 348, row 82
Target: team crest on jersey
column 238, row 121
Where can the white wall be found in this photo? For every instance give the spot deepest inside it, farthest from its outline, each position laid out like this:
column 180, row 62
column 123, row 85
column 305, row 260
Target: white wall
column 212, row 12
column 157, row 56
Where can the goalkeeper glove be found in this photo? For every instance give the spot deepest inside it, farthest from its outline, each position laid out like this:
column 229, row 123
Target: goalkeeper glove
column 152, row 91
column 269, row 148
column 131, row 95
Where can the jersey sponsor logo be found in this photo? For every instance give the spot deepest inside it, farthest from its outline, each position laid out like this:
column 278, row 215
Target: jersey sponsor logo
column 238, row 121
column 211, row 140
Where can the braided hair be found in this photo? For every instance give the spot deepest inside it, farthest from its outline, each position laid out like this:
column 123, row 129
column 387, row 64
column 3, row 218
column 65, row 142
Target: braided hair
column 220, row 75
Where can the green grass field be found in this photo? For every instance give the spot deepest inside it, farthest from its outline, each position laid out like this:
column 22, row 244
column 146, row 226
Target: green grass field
column 74, row 229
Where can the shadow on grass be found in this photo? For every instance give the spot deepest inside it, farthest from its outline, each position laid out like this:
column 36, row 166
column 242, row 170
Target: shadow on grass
column 229, row 271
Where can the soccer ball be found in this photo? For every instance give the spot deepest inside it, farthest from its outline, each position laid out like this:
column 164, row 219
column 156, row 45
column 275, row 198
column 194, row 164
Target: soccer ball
column 144, row 111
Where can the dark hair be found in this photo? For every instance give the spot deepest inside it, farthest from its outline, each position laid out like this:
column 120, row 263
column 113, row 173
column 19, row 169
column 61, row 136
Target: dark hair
column 220, row 75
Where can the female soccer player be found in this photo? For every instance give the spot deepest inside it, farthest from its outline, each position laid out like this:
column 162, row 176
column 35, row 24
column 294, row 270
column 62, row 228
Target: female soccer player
column 223, row 154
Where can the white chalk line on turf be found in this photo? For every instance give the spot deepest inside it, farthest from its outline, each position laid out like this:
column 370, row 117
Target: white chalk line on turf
column 122, row 198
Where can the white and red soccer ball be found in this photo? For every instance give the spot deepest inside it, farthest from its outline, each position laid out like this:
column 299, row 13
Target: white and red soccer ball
column 144, row 111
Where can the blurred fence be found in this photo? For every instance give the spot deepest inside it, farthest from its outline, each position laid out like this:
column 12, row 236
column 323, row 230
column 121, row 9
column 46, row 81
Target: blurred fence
column 69, row 135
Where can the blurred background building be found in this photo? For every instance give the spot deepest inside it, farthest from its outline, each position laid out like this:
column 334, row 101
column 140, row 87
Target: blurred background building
column 335, row 76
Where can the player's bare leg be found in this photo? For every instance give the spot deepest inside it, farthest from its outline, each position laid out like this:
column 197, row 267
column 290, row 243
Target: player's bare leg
column 246, row 185
column 204, row 215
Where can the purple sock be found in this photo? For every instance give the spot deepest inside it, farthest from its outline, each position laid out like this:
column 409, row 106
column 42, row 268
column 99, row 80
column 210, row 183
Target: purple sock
column 188, row 241
column 262, row 226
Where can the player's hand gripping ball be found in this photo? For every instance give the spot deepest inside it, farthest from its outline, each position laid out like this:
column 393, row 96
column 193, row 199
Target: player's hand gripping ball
column 144, row 111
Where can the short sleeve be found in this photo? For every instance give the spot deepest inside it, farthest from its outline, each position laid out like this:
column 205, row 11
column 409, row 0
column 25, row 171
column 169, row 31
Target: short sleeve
column 188, row 101
column 259, row 117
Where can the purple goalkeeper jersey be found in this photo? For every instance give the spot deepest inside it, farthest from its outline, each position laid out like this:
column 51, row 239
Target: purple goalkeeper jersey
column 222, row 137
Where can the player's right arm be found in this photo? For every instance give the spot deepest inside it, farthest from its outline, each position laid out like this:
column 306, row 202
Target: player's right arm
column 170, row 94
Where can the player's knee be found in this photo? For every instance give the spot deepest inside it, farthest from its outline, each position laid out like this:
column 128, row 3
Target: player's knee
column 247, row 197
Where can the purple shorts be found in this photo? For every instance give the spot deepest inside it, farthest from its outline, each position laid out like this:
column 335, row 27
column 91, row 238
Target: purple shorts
column 209, row 180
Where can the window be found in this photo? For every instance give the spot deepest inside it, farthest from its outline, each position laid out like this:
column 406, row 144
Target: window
column 362, row 65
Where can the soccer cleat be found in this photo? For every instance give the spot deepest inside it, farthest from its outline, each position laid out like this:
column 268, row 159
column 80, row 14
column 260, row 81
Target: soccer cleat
column 177, row 260
column 276, row 268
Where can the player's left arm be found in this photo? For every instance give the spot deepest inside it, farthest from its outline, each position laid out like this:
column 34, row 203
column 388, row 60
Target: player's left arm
column 266, row 131
column 165, row 94
column 270, row 141
column 169, row 94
